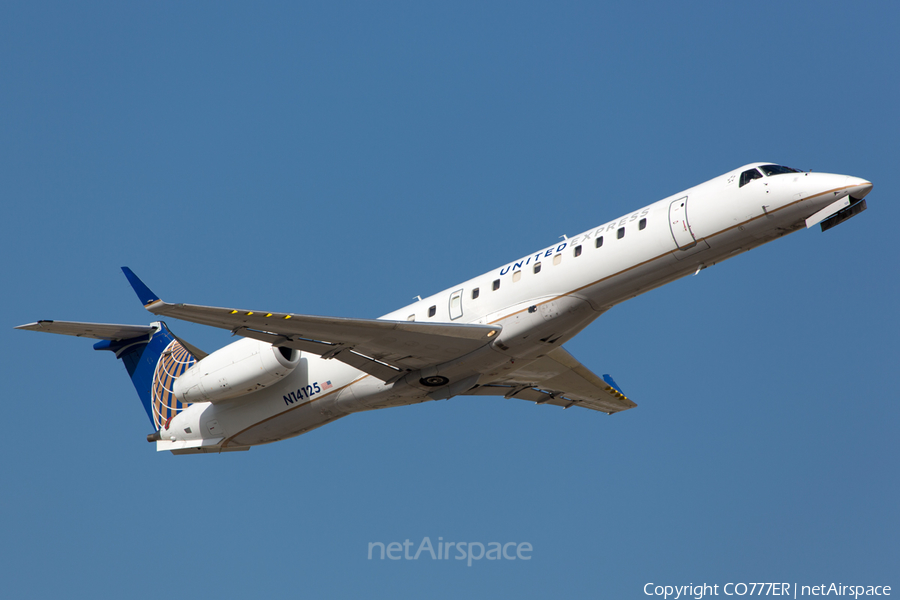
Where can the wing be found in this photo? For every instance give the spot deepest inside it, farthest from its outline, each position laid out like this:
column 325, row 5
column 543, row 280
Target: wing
column 385, row 349
column 558, row 378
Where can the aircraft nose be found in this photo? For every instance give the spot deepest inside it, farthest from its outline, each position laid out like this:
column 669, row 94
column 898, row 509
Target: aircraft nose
column 860, row 187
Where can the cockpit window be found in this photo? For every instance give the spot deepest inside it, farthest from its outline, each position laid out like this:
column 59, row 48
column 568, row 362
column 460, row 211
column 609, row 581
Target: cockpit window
column 748, row 176
column 770, row 170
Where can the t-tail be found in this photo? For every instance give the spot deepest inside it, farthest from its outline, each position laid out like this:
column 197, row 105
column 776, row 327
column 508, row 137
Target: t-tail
column 154, row 363
column 153, row 356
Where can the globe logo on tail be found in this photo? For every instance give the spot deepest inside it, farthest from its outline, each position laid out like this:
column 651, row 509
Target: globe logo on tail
column 172, row 363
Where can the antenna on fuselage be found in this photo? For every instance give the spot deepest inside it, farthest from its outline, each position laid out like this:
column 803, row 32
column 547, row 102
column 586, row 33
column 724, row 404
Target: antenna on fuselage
column 563, row 236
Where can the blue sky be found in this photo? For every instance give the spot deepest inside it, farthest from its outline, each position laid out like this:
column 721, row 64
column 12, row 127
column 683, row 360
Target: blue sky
column 341, row 159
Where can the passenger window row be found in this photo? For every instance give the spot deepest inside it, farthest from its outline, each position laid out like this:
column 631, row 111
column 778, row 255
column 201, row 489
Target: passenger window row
column 557, row 259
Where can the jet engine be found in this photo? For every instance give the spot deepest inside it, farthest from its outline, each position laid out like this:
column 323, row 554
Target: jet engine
column 235, row 370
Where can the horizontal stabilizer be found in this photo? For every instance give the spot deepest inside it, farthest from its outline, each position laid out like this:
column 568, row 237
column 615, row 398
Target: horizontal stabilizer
column 153, row 356
column 97, row 331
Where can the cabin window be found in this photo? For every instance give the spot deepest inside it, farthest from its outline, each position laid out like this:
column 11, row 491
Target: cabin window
column 557, row 259
column 411, row 318
column 517, row 275
column 599, row 242
column 620, row 233
column 748, row 176
column 642, row 224
column 578, row 250
column 496, row 284
column 537, row 268
column 432, row 311
column 475, row 293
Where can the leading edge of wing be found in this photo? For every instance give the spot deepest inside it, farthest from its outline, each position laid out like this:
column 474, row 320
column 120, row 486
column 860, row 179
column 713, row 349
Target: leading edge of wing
column 403, row 345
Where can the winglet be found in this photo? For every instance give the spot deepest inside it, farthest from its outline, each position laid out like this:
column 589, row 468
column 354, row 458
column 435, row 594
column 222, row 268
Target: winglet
column 143, row 292
column 609, row 380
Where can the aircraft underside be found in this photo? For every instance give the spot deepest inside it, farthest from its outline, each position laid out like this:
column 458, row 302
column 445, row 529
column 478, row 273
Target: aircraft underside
column 499, row 334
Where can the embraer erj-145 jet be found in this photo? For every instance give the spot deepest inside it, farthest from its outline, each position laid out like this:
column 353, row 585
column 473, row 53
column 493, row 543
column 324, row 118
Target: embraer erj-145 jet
column 498, row 334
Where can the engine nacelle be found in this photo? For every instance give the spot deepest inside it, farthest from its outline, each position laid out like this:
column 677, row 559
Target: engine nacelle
column 240, row 368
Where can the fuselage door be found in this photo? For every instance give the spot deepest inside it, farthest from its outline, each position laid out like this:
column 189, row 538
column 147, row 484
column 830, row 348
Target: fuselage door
column 678, row 223
column 456, row 304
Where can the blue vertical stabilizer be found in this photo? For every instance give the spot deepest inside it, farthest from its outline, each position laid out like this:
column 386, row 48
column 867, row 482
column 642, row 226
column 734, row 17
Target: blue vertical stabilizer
column 154, row 363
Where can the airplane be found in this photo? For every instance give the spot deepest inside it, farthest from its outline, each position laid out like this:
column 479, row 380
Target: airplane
column 498, row 334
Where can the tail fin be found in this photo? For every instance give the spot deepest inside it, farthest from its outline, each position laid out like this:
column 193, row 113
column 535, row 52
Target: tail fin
column 154, row 364
column 153, row 356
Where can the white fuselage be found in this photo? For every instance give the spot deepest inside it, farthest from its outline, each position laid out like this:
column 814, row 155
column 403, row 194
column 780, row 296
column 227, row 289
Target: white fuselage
column 541, row 300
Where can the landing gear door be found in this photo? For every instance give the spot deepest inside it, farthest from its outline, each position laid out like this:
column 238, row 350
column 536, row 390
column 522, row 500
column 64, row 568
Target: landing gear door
column 679, row 225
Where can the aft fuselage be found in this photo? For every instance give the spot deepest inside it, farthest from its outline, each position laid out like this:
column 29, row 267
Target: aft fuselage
column 541, row 300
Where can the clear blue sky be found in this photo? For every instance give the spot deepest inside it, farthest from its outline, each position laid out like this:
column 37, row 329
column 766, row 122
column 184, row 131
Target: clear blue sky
column 340, row 160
